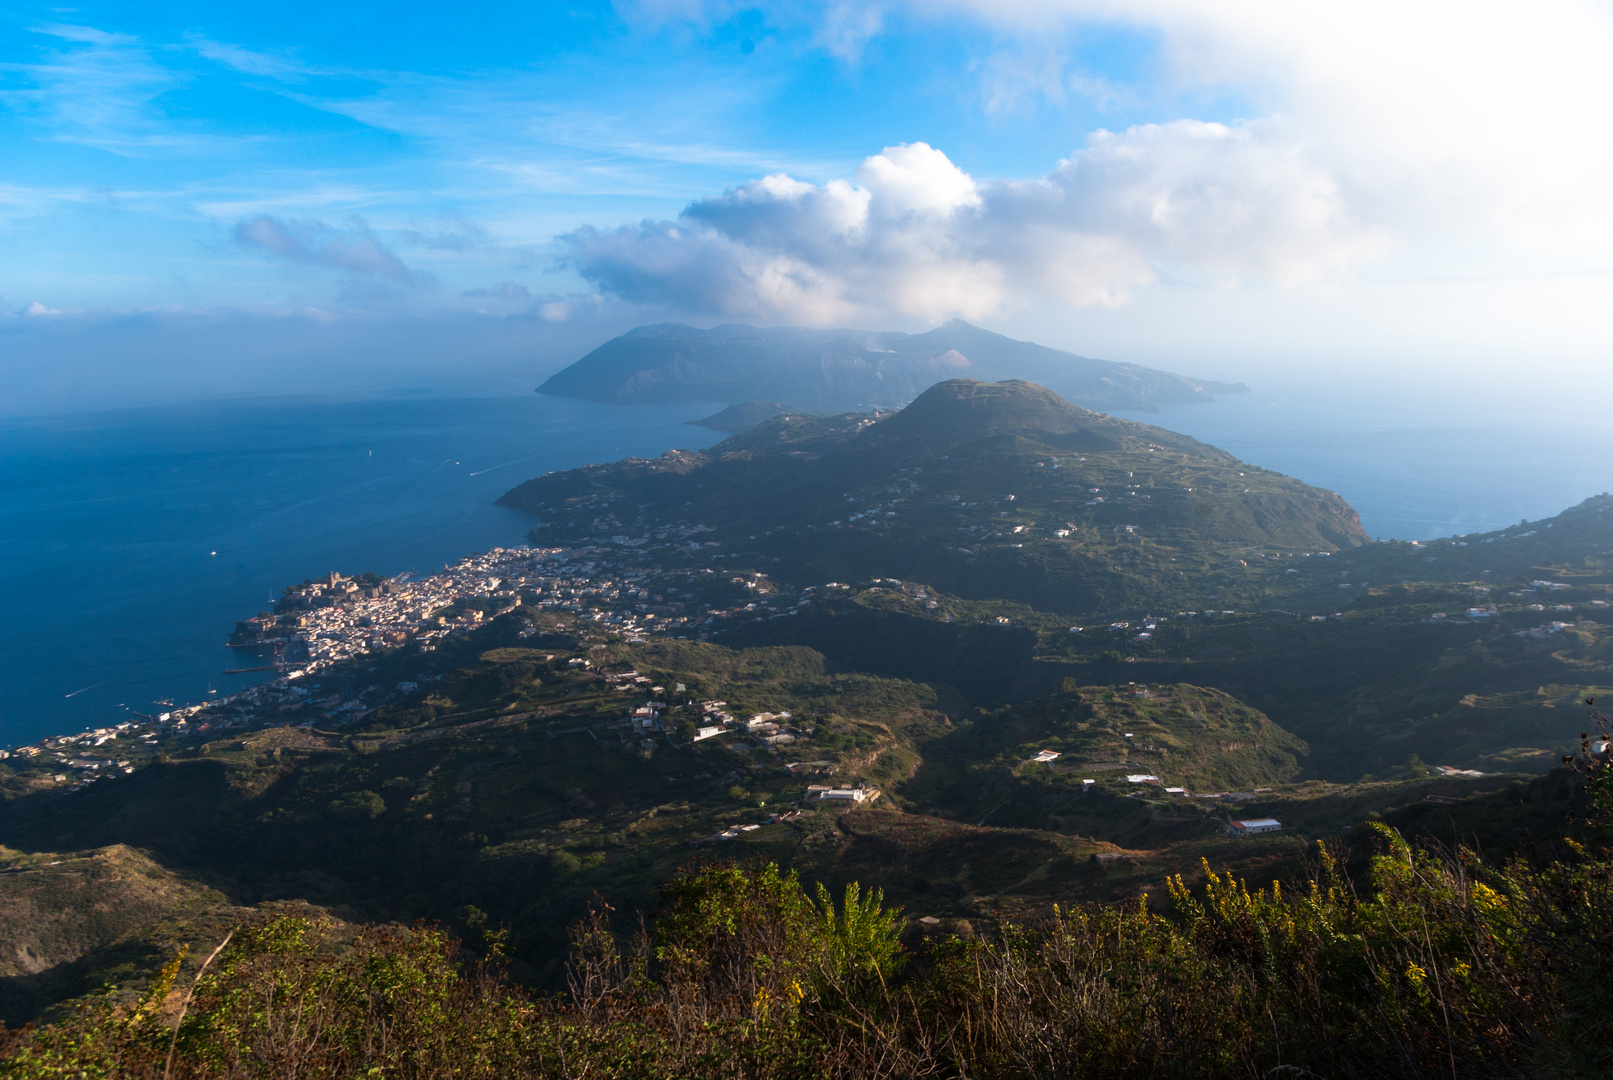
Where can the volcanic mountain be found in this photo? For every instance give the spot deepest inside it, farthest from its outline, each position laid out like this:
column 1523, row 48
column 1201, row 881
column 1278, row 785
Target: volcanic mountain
column 841, row 369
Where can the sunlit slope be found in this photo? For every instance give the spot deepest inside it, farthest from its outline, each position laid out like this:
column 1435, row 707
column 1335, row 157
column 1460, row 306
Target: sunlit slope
column 71, row 922
column 1190, row 737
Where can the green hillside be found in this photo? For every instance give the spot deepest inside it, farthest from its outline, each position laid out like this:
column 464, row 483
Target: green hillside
column 1186, row 735
column 510, row 788
column 741, row 416
column 982, row 490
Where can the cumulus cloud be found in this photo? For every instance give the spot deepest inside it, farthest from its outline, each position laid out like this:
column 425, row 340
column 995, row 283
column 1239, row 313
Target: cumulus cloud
column 1470, row 120
column 913, row 234
column 355, row 250
column 1455, row 135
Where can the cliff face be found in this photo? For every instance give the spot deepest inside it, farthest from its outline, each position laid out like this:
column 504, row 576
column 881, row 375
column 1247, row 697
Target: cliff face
column 844, row 369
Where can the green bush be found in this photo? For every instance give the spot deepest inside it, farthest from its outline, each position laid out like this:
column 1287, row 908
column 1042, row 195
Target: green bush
column 1425, row 964
column 359, row 806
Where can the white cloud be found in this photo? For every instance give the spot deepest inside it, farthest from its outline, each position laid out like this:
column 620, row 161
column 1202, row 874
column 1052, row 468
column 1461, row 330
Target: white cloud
column 917, row 236
column 848, row 27
column 1460, row 137
column 917, row 177
column 558, row 311
column 97, row 89
column 1477, row 119
column 355, row 249
column 274, row 65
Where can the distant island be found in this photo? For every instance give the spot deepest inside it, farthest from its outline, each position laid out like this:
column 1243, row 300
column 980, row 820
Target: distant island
column 852, row 369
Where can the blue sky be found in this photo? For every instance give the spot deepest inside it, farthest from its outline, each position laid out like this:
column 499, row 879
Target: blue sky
column 1153, row 180
column 138, row 137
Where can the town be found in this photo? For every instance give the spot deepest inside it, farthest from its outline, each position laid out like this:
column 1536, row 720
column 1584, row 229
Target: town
column 335, row 618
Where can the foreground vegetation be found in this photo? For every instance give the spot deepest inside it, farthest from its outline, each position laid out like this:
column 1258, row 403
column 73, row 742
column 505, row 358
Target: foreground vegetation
column 1433, row 968
column 1420, row 963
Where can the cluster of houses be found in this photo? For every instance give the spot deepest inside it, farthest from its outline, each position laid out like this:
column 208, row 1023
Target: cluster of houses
column 338, row 617
column 768, row 728
column 321, row 623
column 1237, row 828
column 734, row 832
column 248, row 708
column 68, row 752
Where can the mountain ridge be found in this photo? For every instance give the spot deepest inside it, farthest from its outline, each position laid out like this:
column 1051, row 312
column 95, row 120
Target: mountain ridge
column 840, row 369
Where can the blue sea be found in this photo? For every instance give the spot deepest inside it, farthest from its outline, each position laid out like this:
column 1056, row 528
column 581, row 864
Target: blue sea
column 1420, row 454
column 133, row 540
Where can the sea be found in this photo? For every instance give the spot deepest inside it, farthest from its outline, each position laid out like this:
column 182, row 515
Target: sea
column 133, row 540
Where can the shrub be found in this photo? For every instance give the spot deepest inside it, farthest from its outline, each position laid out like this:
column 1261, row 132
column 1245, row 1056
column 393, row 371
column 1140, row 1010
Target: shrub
column 1427, row 964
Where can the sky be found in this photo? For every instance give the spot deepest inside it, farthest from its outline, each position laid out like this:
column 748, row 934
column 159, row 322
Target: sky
column 213, row 199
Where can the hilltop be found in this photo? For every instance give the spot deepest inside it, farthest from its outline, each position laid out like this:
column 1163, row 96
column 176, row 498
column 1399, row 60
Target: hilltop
column 840, row 369
column 741, row 417
column 982, row 489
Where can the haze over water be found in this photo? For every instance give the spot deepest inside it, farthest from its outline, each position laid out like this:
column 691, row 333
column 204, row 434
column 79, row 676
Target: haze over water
column 113, row 598
column 1418, row 457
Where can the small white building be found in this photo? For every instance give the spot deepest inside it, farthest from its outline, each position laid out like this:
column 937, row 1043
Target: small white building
column 1253, row 826
column 1045, row 755
column 842, row 794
